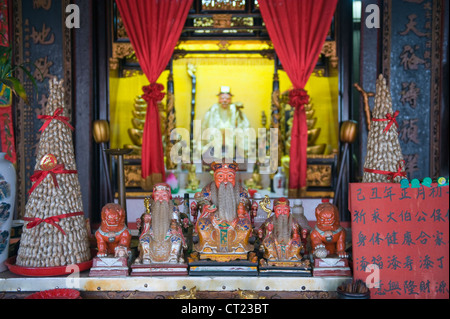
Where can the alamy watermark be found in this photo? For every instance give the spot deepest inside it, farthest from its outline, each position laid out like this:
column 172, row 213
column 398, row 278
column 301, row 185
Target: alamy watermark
column 373, row 279
column 73, row 17
column 373, row 18
column 231, row 144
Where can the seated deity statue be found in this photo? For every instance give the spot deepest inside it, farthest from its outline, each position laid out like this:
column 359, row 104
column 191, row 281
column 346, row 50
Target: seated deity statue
column 161, row 239
column 226, row 115
column 224, row 226
column 281, row 235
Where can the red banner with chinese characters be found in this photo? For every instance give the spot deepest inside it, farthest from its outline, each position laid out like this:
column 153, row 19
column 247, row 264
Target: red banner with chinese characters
column 400, row 239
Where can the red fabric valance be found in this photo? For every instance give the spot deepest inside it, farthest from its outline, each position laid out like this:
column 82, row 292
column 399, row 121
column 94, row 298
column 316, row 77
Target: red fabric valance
column 154, row 27
column 298, row 29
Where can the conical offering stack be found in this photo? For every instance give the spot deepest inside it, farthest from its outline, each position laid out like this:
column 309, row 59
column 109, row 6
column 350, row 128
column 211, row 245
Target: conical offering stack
column 55, row 231
column 384, row 159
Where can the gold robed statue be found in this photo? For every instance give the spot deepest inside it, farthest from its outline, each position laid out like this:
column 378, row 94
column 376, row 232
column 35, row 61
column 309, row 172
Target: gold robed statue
column 224, row 226
column 226, row 115
column 282, row 236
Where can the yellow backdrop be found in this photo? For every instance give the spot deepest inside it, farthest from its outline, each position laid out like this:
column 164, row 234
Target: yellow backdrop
column 250, row 79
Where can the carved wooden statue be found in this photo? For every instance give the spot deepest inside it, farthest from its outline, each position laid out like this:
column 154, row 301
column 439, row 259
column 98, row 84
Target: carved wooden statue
column 328, row 237
column 113, row 243
column 113, row 237
column 161, row 239
column 281, row 236
column 224, row 226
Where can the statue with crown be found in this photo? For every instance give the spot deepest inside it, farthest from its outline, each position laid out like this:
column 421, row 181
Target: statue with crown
column 282, row 238
column 223, row 229
column 161, row 240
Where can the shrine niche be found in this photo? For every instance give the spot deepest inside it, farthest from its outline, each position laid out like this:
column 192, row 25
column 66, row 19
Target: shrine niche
column 218, row 42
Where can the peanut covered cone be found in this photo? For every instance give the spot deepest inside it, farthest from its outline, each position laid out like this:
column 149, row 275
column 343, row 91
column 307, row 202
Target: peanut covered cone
column 384, row 153
column 63, row 240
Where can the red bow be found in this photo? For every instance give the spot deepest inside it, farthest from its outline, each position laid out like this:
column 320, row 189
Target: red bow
column 153, row 92
column 298, row 98
column 391, row 175
column 399, row 173
column 53, row 220
column 39, row 176
column 55, row 116
column 391, row 118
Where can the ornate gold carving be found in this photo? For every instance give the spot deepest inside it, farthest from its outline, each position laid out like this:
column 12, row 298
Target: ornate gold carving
column 249, row 294
column 318, row 175
column 121, row 31
column 119, row 51
column 329, row 51
column 130, row 73
column 300, row 263
column 264, row 205
column 224, row 257
column 132, row 175
column 223, row 5
column 223, row 45
column 221, row 21
column 185, row 294
column 169, row 126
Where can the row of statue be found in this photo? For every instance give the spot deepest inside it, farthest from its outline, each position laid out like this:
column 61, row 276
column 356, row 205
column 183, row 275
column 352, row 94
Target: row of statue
column 223, row 219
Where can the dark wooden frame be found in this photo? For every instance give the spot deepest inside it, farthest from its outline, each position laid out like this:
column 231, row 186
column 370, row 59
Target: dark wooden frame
column 91, row 43
column 344, row 45
column 100, row 42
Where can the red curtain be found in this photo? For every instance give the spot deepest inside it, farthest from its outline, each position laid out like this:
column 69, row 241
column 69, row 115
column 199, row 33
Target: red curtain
column 154, row 27
column 298, row 29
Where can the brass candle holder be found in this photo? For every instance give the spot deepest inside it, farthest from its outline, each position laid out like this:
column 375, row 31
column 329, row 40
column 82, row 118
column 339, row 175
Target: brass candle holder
column 101, row 136
column 348, row 134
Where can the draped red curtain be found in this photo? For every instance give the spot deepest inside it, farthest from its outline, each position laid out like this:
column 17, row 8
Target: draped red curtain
column 298, row 29
column 154, row 27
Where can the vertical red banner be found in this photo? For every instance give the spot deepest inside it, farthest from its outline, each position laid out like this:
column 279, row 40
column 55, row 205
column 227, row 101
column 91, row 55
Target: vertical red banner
column 400, row 239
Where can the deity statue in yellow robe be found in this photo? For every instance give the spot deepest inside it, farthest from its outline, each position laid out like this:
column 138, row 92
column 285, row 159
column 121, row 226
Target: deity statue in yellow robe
column 226, row 115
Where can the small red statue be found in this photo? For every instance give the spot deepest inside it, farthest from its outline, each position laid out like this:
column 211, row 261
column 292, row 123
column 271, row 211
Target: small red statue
column 113, row 237
column 328, row 237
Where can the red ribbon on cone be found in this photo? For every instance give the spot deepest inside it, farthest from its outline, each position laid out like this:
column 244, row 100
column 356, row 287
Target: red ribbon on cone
column 389, row 118
column 39, row 176
column 391, row 175
column 53, row 220
column 56, row 116
column 153, row 92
